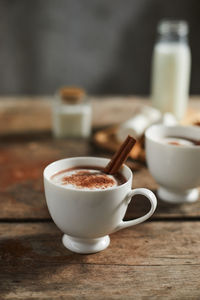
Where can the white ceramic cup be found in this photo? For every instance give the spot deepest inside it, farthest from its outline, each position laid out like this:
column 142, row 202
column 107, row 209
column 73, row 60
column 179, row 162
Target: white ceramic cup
column 175, row 168
column 87, row 217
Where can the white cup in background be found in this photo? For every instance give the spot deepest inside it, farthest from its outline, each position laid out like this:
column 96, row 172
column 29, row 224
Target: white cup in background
column 175, row 168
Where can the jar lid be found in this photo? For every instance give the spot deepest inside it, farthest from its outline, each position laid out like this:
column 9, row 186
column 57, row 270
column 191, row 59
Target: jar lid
column 71, row 94
column 166, row 26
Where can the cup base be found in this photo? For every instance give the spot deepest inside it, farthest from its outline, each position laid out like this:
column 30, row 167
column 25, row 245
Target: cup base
column 85, row 246
column 188, row 196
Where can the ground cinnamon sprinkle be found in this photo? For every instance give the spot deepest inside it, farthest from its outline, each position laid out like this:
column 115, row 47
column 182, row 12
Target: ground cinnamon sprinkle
column 85, row 179
column 175, row 143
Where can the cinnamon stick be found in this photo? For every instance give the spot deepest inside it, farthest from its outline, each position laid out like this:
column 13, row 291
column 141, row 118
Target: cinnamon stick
column 120, row 156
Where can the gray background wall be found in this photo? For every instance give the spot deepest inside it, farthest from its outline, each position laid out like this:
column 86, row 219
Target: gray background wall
column 104, row 46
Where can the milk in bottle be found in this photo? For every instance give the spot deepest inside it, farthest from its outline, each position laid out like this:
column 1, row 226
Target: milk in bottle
column 171, row 68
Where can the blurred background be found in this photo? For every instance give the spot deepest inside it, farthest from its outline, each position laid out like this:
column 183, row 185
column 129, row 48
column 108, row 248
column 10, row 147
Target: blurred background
column 104, row 46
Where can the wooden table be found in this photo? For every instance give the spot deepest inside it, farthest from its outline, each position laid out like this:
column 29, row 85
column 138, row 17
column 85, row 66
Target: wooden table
column 159, row 259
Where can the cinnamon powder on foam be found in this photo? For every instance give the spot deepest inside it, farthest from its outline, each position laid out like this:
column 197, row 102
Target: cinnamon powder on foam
column 85, row 179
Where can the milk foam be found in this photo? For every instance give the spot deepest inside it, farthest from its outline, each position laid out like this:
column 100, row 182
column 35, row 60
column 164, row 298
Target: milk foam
column 59, row 179
column 181, row 142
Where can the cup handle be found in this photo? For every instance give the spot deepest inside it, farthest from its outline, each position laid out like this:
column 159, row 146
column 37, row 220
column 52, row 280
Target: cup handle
column 150, row 196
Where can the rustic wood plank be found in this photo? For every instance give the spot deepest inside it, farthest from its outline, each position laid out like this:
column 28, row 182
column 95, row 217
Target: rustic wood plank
column 21, row 181
column 104, row 282
column 21, row 174
column 35, row 112
column 158, row 260
column 26, row 150
column 151, row 243
column 154, row 260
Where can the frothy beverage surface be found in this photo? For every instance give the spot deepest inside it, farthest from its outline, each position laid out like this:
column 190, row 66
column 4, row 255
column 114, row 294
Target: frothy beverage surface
column 87, row 178
column 180, row 141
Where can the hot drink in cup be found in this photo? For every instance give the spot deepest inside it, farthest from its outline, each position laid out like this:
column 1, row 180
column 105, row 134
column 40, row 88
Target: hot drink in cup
column 87, row 178
column 88, row 204
column 173, row 158
column 180, row 141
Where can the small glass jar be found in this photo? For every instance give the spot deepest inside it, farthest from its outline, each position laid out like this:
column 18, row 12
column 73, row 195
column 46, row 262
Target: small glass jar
column 171, row 65
column 71, row 113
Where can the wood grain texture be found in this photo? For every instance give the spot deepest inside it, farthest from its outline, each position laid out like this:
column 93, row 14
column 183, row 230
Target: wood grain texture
column 151, row 261
column 21, row 173
column 21, row 179
column 105, row 282
column 25, row 113
column 27, row 147
column 154, row 260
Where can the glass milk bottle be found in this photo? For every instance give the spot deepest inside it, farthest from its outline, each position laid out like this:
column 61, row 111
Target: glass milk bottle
column 171, row 68
column 71, row 113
